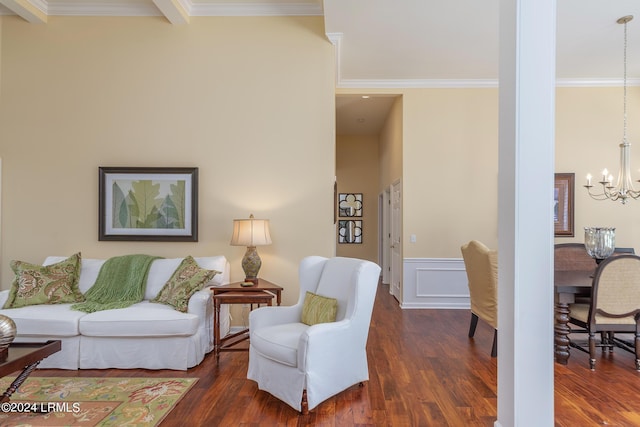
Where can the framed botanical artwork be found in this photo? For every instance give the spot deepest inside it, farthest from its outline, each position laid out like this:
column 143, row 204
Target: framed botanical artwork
column 349, row 231
column 563, row 198
column 350, row 204
column 148, row 204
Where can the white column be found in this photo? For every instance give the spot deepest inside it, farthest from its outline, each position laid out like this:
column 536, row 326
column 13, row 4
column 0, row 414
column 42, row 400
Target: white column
column 525, row 213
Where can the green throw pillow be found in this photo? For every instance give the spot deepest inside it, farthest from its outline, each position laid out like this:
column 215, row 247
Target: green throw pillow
column 318, row 309
column 188, row 278
column 51, row 284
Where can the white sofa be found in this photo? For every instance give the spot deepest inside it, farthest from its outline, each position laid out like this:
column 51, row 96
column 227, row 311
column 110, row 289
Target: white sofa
column 145, row 335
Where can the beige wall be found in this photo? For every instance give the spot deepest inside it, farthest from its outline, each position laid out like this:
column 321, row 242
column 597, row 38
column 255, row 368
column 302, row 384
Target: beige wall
column 249, row 101
column 391, row 147
column 589, row 128
column 450, row 163
column 357, row 171
column 450, row 170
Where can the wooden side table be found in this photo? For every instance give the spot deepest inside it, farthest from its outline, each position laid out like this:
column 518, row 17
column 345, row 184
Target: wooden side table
column 261, row 293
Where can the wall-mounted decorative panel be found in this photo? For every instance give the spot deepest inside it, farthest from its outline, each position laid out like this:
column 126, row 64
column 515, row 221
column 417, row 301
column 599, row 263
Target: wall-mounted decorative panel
column 434, row 283
column 349, row 231
column 350, row 204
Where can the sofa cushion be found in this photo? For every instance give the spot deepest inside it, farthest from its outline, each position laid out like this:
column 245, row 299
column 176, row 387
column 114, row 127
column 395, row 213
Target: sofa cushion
column 279, row 342
column 55, row 320
column 159, row 273
column 218, row 263
column 144, row 319
column 89, row 269
column 188, row 278
column 162, row 269
column 53, row 284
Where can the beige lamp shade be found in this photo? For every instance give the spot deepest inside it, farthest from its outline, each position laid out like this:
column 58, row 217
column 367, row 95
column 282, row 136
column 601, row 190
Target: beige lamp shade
column 251, row 233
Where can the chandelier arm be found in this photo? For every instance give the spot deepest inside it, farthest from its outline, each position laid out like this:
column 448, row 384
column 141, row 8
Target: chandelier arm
column 623, row 190
column 634, row 194
column 605, row 195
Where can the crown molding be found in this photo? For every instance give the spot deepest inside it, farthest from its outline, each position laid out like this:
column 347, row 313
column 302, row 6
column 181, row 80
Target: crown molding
column 417, row 83
column 596, row 82
column 105, row 8
column 255, row 9
column 115, row 8
column 467, row 83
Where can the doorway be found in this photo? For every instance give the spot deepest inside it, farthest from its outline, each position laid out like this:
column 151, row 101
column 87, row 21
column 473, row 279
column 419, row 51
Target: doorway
column 369, row 162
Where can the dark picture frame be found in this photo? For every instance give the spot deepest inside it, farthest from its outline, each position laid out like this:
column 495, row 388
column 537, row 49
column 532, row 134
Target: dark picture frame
column 350, row 204
column 349, row 231
column 148, row 204
column 563, row 211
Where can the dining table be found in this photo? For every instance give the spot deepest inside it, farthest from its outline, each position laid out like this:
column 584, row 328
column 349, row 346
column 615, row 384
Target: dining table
column 567, row 284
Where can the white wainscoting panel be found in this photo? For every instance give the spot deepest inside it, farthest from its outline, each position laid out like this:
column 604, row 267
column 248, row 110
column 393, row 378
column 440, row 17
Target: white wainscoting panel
column 434, row 283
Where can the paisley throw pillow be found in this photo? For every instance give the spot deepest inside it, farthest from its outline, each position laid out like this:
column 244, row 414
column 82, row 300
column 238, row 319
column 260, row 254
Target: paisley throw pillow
column 51, row 284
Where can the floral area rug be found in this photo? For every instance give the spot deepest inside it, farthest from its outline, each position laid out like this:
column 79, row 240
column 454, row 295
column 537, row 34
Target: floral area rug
column 74, row 401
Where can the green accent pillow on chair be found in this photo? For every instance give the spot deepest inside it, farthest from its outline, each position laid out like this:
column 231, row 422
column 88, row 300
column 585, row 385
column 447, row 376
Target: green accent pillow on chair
column 188, row 278
column 318, row 309
column 51, row 284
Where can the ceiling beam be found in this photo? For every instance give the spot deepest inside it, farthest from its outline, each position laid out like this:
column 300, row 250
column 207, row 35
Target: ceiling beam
column 26, row 10
column 173, row 10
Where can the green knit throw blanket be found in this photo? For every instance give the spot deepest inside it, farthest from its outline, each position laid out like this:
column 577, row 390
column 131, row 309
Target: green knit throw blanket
column 121, row 283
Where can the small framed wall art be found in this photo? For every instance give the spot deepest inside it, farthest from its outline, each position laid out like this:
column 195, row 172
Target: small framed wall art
column 148, row 204
column 349, row 231
column 350, row 204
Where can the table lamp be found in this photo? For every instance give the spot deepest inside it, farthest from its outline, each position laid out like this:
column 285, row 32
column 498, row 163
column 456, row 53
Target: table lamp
column 251, row 233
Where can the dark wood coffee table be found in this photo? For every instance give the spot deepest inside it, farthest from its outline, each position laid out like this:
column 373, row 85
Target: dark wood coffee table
column 25, row 356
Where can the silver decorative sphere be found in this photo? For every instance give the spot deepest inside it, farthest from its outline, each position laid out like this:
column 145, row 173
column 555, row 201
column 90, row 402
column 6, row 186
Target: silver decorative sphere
column 7, row 331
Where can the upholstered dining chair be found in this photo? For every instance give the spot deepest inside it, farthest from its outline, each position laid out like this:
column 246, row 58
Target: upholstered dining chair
column 614, row 306
column 481, row 264
column 574, row 257
column 305, row 353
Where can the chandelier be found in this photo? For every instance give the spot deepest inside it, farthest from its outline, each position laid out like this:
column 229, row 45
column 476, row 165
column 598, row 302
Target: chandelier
column 624, row 189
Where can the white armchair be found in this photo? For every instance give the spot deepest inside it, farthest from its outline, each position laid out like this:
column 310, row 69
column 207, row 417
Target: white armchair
column 304, row 365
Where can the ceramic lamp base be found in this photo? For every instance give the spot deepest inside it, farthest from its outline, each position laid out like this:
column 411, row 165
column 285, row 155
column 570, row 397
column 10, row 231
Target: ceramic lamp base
column 251, row 264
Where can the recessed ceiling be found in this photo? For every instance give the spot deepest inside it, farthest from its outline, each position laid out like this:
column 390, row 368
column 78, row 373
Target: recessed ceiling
column 356, row 115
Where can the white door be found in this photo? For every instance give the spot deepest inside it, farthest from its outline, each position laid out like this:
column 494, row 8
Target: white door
column 384, row 235
column 396, row 244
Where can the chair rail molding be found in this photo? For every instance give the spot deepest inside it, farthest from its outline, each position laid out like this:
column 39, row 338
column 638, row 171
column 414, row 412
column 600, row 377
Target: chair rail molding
column 436, row 283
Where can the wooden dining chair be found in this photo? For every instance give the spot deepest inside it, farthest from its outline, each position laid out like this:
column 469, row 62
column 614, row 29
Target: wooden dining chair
column 481, row 265
column 614, row 306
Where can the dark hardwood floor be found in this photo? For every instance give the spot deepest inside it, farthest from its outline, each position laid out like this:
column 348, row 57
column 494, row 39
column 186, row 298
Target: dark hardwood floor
column 424, row 371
